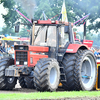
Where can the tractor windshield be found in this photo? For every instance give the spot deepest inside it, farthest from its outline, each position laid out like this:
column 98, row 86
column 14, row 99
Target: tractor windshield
column 45, row 36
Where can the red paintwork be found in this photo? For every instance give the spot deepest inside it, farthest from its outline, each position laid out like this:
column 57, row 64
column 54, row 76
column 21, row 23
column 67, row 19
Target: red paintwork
column 46, row 22
column 89, row 43
column 35, row 59
column 73, row 48
column 36, row 53
column 38, row 49
column 98, row 61
column 76, row 39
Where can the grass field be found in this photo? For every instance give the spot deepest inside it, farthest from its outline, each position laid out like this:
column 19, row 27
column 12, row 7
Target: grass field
column 47, row 95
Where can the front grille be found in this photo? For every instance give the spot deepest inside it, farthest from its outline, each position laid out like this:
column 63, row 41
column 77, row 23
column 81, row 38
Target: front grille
column 21, row 57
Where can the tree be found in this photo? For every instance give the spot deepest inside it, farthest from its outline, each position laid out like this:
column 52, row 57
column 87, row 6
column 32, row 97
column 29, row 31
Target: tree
column 0, row 32
column 83, row 7
column 41, row 5
column 9, row 31
column 76, row 9
column 52, row 8
column 23, row 33
column 12, row 16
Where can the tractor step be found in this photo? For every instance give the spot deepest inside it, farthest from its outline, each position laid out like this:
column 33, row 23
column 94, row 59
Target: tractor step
column 63, row 80
column 62, row 75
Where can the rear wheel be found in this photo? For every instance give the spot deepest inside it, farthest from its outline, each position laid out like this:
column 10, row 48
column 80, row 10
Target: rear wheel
column 88, row 70
column 6, row 83
column 46, row 75
column 80, row 70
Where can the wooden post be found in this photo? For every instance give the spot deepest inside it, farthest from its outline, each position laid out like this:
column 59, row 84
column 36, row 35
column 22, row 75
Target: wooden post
column 33, row 32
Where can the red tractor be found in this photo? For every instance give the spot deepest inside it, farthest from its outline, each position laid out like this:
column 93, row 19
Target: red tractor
column 52, row 57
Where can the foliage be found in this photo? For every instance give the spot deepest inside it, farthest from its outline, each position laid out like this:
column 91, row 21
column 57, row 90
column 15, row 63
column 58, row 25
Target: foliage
column 0, row 32
column 7, row 30
column 52, row 8
column 83, row 7
column 95, row 38
column 75, row 9
column 12, row 16
column 23, row 33
column 11, row 31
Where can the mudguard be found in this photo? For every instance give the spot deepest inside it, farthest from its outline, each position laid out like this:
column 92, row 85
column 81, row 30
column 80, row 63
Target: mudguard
column 73, row 48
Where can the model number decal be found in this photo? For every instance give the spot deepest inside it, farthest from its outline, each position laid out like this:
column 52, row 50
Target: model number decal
column 69, row 49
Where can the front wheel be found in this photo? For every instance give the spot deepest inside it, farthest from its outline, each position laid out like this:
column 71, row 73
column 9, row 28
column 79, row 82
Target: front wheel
column 46, row 75
column 6, row 83
column 27, row 82
column 22, row 82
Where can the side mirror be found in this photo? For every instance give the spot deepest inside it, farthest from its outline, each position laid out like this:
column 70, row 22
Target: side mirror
column 16, row 28
column 66, row 29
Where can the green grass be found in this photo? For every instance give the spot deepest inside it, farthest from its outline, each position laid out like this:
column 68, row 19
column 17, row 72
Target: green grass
column 47, row 95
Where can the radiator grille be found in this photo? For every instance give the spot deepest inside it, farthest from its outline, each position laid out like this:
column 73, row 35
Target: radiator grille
column 21, row 57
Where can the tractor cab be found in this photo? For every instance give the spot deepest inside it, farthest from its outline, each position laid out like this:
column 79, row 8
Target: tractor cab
column 49, row 33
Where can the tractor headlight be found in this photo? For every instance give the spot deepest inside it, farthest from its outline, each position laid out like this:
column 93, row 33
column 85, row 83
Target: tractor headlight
column 25, row 63
column 17, row 62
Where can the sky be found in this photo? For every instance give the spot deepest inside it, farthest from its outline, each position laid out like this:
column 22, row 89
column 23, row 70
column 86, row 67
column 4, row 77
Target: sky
column 2, row 11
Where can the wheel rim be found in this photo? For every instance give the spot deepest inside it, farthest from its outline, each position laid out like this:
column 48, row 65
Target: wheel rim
column 10, row 79
column 88, row 72
column 53, row 75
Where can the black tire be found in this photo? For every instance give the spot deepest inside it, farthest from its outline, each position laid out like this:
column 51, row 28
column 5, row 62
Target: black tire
column 73, row 65
column 27, row 82
column 44, row 79
column 6, row 83
column 22, row 82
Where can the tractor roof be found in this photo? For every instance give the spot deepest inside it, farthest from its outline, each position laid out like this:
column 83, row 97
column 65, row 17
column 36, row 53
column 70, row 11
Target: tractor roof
column 46, row 22
column 51, row 23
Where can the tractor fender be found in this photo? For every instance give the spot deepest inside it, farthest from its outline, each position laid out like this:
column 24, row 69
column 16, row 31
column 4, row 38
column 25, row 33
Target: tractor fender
column 73, row 48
